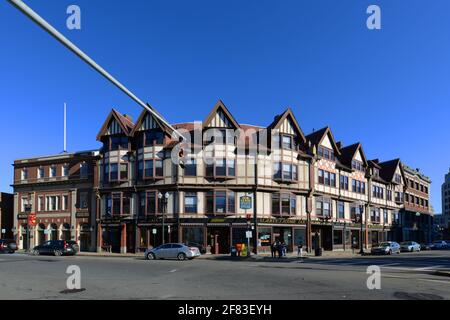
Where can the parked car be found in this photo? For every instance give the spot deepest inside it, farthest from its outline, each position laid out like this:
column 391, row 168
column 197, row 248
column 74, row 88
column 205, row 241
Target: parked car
column 439, row 245
column 409, row 246
column 57, row 248
column 9, row 246
column 200, row 247
column 172, row 251
column 426, row 246
column 388, row 247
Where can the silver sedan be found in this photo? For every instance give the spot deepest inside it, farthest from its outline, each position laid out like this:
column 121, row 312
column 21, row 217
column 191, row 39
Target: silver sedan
column 172, row 251
column 409, row 246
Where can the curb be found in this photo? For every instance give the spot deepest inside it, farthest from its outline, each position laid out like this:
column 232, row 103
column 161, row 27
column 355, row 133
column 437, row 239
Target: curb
column 442, row 273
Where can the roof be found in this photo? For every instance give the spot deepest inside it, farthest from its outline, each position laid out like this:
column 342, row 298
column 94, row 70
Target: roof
column 349, row 152
column 278, row 120
column 388, row 169
column 316, row 137
column 125, row 122
column 220, row 106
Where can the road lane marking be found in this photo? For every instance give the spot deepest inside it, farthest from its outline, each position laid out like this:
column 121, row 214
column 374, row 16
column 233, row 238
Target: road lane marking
column 172, row 271
column 429, row 268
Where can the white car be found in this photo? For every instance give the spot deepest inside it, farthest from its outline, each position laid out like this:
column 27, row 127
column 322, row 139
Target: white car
column 409, row 246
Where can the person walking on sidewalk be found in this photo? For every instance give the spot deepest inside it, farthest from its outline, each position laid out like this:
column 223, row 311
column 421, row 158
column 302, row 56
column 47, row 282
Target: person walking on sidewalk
column 273, row 249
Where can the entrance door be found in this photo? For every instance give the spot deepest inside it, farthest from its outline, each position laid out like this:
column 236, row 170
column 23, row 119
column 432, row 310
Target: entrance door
column 219, row 240
column 284, row 235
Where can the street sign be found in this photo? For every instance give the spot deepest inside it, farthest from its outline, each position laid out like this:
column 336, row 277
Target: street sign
column 154, row 231
column 245, row 202
column 3, row 231
column 249, row 234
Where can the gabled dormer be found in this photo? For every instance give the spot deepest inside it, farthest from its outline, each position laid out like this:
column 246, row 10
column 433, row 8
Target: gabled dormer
column 285, row 132
column 353, row 156
column 323, row 144
column 116, row 131
column 392, row 172
column 220, row 125
column 149, row 131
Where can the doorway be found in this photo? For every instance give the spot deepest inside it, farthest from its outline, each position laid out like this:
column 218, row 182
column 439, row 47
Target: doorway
column 284, row 235
column 219, row 240
column 322, row 237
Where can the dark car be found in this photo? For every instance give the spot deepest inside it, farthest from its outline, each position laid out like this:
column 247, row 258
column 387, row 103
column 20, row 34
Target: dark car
column 426, row 246
column 57, row 248
column 9, row 246
column 199, row 246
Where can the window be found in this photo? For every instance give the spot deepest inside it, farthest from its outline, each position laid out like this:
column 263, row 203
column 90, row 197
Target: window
column 358, row 186
column 123, row 171
column 378, row 192
column 399, row 197
column 151, row 202
column 221, row 168
column 338, row 237
column 284, row 204
column 389, row 195
column 385, row 216
column 323, row 208
column 41, row 203
column 357, row 165
column 52, row 203
column 344, row 182
column 113, row 173
column 341, row 210
column 126, row 204
column 83, row 170
column 24, row 204
column 190, row 168
column 41, row 173
column 375, row 215
column 24, row 174
column 154, row 137
column 355, row 212
column 325, row 153
column 287, row 143
column 118, row 143
column 65, row 170
column 65, row 203
column 83, row 200
column 398, row 178
column 376, row 172
column 327, row 178
column 53, row 171
column 108, row 205
column 190, row 202
column 116, row 202
column 220, row 202
column 153, row 168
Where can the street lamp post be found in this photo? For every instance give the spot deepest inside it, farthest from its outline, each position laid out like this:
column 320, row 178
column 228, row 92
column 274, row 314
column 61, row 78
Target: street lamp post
column 361, row 212
column 28, row 212
column 163, row 198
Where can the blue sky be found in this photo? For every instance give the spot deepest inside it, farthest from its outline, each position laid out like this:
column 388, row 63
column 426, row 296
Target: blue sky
column 388, row 89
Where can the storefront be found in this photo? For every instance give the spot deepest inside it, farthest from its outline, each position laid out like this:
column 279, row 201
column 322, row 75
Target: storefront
column 288, row 231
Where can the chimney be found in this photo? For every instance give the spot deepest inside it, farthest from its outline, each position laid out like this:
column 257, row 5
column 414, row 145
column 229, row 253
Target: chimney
column 339, row 144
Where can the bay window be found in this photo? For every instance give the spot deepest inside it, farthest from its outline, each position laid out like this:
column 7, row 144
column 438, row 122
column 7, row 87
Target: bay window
column 327, row 178
column 152, row 168
column 153, row 137
column 118, row 143
column 190, row 168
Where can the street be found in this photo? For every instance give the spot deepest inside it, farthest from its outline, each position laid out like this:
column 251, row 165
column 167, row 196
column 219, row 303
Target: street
column 406, row 276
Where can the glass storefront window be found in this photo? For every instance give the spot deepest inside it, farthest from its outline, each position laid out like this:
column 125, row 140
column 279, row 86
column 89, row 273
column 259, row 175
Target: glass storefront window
column 194, row 235
column 265, row 237
column 300, row 237
column 337, row 237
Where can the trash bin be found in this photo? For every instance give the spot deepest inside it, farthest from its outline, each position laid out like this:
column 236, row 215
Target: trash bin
column 233, row 251
column 318, row 252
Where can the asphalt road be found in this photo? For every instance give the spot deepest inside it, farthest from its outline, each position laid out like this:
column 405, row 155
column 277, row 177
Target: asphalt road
column 407, row 276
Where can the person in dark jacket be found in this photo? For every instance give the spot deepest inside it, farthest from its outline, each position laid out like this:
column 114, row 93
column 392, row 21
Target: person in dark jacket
column 273, row 249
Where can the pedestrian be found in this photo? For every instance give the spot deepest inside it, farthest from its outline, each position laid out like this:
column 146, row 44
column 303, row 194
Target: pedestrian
column 300, row 250
column 273, row 249
column 283, row 249
column 279, row 249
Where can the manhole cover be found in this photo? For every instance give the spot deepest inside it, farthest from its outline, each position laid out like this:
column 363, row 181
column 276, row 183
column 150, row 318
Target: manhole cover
column 417, row 296
column 72, row 291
